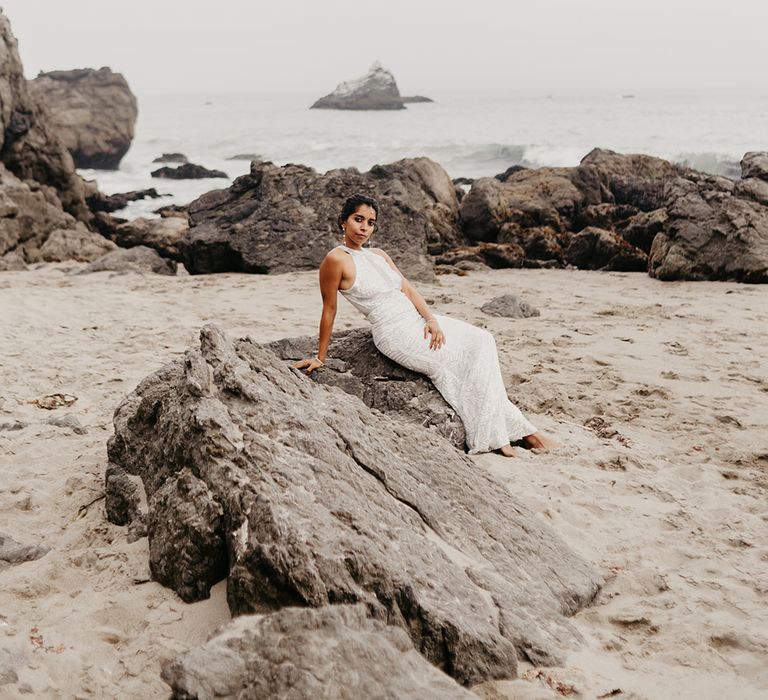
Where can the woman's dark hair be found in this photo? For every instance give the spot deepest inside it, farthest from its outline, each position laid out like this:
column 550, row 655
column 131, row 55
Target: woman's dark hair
column 352, row 203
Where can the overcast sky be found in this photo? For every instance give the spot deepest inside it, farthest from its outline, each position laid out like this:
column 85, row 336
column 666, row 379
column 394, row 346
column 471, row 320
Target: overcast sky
column 308, row 46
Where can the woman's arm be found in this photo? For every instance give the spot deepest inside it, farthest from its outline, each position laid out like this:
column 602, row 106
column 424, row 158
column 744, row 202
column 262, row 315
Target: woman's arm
column 432, row 327
column 330, row 278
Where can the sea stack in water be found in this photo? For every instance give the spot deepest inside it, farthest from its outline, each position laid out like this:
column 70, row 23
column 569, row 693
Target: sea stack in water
column 375, row 90
column 94, row 112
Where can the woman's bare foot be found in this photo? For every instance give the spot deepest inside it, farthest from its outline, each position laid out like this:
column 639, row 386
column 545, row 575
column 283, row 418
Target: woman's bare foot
column 538, row 441
column 507, row 450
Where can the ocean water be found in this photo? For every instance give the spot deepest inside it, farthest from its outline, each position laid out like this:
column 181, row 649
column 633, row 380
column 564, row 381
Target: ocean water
column 470, row 134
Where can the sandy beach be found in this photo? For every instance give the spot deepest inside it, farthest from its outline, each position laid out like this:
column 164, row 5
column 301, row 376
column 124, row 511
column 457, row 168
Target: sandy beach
column 657, row 391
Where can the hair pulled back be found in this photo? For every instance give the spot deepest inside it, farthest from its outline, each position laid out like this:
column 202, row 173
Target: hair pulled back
column 353, row 202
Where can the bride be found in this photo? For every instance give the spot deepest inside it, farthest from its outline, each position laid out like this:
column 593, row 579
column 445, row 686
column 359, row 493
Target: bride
column 459, row 358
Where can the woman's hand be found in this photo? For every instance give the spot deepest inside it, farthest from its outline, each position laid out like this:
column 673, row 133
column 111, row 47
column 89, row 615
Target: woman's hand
column 309, row 364
column 438, row 337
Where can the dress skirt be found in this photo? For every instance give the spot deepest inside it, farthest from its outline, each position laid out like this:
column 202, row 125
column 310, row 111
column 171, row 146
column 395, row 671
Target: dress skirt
column 465, row 371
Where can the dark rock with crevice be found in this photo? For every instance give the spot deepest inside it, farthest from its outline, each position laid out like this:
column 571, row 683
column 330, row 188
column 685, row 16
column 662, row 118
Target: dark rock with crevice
column 326, row 501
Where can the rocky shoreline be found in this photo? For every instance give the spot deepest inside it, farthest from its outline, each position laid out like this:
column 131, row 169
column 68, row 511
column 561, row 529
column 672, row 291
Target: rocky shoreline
column 364, row 553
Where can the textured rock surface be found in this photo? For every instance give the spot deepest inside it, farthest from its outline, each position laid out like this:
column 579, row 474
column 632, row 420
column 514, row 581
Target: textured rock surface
column 28, row 215
column 162, row 235
column 755, row 164
column 495, row 255
column 511, row 306
column 377, row 89
column 30, row 146
column 93, row 111
column 13, row 262
column 39, row 189
column 596, row 249
column 138, row 259
column 122, row 496
column 357, row 367
column 188, row 171
column 712, row 233
column 278, row 219
column 187, row 549
column 335, row 653
column 72, row 244
column 325, row 501
column 614, row 209
column 13, row 552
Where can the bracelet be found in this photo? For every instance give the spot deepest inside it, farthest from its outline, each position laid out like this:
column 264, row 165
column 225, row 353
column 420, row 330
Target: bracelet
column 322, row 364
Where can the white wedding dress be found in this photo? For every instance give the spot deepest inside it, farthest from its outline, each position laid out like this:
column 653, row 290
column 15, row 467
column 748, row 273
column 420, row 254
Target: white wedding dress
column 465, row 370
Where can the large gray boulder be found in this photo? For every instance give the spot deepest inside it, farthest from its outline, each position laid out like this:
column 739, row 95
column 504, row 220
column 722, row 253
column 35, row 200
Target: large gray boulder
column 280, row 219
column 377, row 89
column 715, row 231
column 93, row 111
column 332, row 653
column 30, row 146
column 319, row 500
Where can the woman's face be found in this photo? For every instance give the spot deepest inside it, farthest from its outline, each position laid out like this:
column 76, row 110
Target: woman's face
column 359, row 226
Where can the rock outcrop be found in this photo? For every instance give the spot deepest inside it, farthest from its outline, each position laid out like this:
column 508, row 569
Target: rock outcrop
column 72, row 244
column 279, row 219
column 319, row 500
column 93, row 111
column 630, row 213
column 613, row 210
column 357, row 367
column 139, row 259
column 334, row 653
column 30, row 147
column 163, row 235
column 30, row 213
column 594, row 248
column 188, row 171
column 715, row 230
column 377, row 89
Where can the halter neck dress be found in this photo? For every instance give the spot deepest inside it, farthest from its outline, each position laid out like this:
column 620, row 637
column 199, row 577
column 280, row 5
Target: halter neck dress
column 465, row 370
